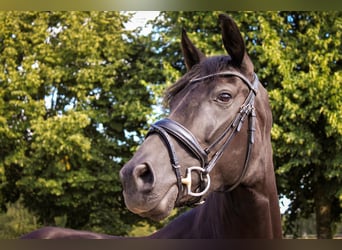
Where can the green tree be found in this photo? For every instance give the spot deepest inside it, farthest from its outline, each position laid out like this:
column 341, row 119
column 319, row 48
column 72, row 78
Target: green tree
column 16, row 221
column 297, row 55
column 73, row 107
column 307, row 133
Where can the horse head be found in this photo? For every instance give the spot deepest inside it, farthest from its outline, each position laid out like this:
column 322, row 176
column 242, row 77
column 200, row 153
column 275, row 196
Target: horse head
column 216, row 137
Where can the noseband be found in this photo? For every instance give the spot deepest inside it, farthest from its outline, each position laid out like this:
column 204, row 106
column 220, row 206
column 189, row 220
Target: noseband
column 167, row 127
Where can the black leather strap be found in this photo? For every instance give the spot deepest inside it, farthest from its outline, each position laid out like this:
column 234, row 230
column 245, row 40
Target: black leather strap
column 251, row 86
column 184, row 136
column 172, row 154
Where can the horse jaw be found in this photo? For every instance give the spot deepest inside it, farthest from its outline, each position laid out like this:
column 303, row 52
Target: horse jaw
column 161, row 206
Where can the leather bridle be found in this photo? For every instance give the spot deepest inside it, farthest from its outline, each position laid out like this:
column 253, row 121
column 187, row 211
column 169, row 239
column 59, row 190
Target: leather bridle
column 167, row 127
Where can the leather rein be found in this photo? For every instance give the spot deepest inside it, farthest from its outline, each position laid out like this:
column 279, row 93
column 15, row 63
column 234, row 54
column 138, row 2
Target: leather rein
column 167, row 127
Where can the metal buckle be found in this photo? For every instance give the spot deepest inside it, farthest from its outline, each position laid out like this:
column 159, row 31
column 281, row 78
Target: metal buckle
column 188, row 182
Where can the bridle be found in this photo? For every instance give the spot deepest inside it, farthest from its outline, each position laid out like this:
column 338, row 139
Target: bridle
column 167, row 127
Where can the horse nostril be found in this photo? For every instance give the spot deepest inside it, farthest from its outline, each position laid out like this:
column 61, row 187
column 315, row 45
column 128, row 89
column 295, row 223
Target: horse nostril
column 143, row 177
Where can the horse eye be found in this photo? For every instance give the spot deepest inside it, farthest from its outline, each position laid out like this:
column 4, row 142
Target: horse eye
column 224, row 97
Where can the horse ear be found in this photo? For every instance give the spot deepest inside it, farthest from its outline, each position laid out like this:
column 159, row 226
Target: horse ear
column 234, row 43
column 192, row 55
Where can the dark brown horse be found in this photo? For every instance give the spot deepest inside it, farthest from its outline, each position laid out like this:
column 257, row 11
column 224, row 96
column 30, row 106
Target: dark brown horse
column 214, row 147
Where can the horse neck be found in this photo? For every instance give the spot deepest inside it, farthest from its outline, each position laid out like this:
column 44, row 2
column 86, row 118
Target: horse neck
column 242, row 213
column 251, row 210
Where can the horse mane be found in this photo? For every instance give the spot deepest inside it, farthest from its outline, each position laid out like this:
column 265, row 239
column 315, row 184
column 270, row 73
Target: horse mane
column 210, row 65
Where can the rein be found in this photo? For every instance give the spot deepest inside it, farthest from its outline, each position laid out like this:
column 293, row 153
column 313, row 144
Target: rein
column 166, row 127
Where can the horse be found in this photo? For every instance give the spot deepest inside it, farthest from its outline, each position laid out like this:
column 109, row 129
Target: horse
column 213, row 152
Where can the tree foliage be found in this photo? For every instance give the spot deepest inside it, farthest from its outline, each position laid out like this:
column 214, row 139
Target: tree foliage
column 73, row 105
column 307, row 133
column 297, row 55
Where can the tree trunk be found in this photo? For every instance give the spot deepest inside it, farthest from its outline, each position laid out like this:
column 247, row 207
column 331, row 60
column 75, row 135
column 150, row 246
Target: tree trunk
column 323, row 213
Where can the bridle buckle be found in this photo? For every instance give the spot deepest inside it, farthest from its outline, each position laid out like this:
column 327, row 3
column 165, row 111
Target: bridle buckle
column 187, row 181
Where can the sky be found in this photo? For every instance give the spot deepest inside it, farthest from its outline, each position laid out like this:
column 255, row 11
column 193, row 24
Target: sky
column 140, row 19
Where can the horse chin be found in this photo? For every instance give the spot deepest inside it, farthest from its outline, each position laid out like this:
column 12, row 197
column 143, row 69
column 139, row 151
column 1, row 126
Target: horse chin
column 159, row 209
